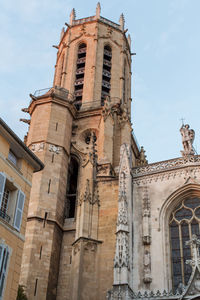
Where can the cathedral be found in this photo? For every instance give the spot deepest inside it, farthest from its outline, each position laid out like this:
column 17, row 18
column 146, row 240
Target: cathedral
column 102, row 222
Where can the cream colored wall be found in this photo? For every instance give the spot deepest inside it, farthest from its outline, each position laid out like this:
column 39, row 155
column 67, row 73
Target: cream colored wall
column 21, row 179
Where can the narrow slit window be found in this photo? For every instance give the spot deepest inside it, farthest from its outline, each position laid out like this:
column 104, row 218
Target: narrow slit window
column 35, row 290
column 49, row 186
column 40, row 252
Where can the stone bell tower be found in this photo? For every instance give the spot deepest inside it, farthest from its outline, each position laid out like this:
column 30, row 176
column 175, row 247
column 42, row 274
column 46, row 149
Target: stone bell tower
column 76, row 129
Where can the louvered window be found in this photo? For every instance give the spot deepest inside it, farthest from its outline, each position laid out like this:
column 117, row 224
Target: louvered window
column 106, row 73
column 184, row 222
column 4, row 259
column 80, row 72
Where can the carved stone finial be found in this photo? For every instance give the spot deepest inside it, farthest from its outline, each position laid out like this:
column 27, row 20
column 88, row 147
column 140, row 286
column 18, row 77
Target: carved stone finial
column 187, row 140
column 62, row 33
column 72, row 16
column 122, row 21
column 98, row 10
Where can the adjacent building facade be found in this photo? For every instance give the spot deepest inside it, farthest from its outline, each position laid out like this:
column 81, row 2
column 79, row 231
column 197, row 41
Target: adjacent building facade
column 17, row 164
column 102, row 222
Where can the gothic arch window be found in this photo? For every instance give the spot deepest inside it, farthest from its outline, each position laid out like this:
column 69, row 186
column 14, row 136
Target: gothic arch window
column 184, row 222
column 71, row 196
column 106, row 73
column 80, row 72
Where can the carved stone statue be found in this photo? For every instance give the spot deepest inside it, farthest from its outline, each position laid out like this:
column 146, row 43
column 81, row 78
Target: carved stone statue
column 187, row 140
column 142, row 160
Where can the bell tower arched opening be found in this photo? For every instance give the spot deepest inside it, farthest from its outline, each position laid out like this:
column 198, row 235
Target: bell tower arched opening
column 106, row 73
column 80, row 72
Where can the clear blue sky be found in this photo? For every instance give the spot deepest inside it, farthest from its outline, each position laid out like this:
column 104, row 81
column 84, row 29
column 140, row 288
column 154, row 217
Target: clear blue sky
column 166, row 70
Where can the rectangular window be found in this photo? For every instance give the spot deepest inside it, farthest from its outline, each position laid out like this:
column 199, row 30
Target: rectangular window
column 4, row 258
column 4, row 205
column 11, row 202
column 12, row 157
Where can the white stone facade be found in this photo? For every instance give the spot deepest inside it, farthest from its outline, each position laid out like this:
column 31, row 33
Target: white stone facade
column 157, row 190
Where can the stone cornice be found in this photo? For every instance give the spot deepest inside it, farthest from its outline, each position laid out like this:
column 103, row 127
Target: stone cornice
column 171, row 165
column 49, row 99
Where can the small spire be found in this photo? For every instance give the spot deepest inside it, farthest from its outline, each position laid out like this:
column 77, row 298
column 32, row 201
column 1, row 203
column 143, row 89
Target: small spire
column 98, row 10
column 72, row 16
column 122, row 21
column 129, row 40
column 62, row 33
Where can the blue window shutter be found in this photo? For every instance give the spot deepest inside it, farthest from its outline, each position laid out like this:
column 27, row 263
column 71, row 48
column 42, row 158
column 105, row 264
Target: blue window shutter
column 1, row 255
column 19, row 210
column 3, row 267
column 2, row 185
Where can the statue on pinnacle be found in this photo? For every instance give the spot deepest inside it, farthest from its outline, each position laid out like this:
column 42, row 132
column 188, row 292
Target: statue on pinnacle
column 187, row 140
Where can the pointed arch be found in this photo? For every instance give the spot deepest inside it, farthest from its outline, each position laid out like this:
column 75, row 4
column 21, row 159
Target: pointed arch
column 80, row 73
column 177, row 222
column 106, row 72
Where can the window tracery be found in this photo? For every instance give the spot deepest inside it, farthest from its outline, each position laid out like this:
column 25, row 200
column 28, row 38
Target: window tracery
column 184, row 222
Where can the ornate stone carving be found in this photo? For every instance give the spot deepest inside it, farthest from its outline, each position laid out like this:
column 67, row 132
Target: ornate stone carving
column 90, row 246
column 122, row 211
column 86, row 196
column 120, row 292
column 187, row 140
column 105, row 170
column 96, row 199
column 146, row 218
column 122, row 250
column 54, row 148
column 125, row 159
column 122, row 255
column 38, row 147
column 106, row 110
column 76, row 249
column 83, row 29
column 91, row 156
column 195, row 245
column 169, row 175
column 193, row 286
column 165, row 295
column 166, row 165
column 142, row 160
column 147, row 267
